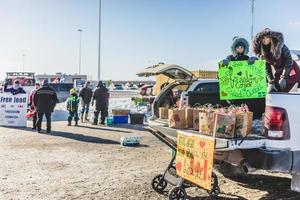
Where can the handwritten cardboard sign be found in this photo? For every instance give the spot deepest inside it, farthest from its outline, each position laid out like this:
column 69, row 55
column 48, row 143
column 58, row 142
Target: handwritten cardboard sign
column 194, row 159
column 239, row 80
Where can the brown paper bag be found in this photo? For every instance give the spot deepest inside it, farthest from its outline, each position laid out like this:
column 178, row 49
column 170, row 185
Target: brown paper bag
column 176, row 118
column 163, row 113
column 224, row 125
column 189, row 117
column 243, row 125
column 196, row 118
column 207, row 122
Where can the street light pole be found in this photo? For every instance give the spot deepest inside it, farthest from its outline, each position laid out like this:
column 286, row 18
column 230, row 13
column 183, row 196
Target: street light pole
column 79, row 64
column 252, row 19
column 99, row 43
column 23, row 61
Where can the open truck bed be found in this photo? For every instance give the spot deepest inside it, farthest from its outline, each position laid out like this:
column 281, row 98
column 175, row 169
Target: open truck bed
column 159, row 127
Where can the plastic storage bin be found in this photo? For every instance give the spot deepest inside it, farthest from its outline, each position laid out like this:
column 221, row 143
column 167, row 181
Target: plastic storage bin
column 109, row 121
column 121, row 119
column 137, row 118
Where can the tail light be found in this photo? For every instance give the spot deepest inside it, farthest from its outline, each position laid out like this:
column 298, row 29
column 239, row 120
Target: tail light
column 276, row 123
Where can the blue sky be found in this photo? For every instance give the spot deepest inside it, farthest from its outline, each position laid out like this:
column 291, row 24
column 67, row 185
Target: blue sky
column 135, row 33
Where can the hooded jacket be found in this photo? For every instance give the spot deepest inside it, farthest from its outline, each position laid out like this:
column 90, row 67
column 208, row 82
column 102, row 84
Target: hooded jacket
column 279, row 63
column 237, row 56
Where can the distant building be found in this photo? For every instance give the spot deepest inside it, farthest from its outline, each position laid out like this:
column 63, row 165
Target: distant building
column 60, row 77
column 205, row 74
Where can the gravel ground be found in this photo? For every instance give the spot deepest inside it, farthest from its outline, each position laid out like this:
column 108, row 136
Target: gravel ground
column 87, row 162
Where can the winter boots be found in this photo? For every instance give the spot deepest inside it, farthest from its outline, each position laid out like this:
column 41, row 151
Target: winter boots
column 69, row 122
column 76, row 123
column 86, row 117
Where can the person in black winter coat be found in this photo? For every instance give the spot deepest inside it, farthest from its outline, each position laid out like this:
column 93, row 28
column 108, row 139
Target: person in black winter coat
column 45, row 100
column 239, row 49
column 101, row 96
column 86, row 94
column 282, row 71
column 16, row 89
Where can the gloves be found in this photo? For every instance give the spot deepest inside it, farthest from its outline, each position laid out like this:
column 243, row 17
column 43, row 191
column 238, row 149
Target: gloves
column 224, row 62
column 272, row 88
column 282, row 83
column 252, row 60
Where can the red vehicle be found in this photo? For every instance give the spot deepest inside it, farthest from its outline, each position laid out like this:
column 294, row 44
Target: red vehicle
column 25, row 78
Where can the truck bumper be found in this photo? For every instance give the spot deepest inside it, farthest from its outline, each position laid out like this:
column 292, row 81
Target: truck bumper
column 274, row 160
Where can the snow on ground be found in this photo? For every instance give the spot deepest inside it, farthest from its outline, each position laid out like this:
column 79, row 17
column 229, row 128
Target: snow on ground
column 118, row 100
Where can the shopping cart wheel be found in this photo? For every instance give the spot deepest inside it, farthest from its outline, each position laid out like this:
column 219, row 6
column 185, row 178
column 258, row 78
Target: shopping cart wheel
column 159, row 183
column 177, row 193
column 215, row 189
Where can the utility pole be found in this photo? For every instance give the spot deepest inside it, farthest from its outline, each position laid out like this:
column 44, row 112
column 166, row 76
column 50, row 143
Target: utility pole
column 99, row 44
column 23, row 61
column 79, row 64
column 252, row 19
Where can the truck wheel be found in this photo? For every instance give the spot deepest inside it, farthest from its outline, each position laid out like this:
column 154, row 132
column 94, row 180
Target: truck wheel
column 159, row 183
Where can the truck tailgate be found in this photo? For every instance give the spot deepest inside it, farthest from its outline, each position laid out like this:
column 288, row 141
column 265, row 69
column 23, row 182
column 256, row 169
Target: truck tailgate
column 221, row 144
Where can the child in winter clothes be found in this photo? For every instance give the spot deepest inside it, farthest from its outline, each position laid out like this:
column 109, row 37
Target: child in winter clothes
column 282, row 72
column 239, row 49
column 72, row 107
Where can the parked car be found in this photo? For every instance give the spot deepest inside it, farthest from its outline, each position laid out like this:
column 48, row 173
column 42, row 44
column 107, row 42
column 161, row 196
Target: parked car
column 62, row 90
column 118, row 87
column 278, row 150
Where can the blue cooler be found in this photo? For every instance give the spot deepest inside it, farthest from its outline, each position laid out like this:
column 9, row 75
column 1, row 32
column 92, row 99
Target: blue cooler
column 121, row 119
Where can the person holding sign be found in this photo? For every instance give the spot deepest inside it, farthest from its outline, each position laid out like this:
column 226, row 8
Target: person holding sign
column 239, row 49
column 282, row 72
column 16, row 89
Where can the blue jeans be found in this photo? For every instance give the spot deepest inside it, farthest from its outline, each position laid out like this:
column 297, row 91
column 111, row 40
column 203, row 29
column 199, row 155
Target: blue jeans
column 85, row 108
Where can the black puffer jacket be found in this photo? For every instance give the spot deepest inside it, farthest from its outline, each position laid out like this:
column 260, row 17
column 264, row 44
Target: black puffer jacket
column 45, row 99
column 86, row 94
column 101, row 96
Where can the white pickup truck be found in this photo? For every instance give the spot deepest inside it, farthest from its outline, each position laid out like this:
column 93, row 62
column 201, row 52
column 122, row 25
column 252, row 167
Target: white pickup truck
column 277, row 150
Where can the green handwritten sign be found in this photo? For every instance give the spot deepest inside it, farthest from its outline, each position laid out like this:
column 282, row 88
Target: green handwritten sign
column 239, row 80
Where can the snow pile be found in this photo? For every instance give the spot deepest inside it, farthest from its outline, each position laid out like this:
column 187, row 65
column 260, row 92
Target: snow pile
column 61, row 114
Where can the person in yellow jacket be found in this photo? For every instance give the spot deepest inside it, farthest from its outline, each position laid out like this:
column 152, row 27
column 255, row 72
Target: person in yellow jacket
column 72, row 107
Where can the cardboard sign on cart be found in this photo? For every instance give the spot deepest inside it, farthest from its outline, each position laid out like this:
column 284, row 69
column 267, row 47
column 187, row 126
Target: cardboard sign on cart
column 194, row 158
column 239, row 80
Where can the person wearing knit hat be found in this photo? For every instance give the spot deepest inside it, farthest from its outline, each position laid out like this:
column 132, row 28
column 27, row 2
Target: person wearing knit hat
column 72, row 107
column 101, row 97
column 239, row 49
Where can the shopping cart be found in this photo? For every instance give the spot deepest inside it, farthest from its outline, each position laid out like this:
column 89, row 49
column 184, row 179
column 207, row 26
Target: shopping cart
column 160, row 182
